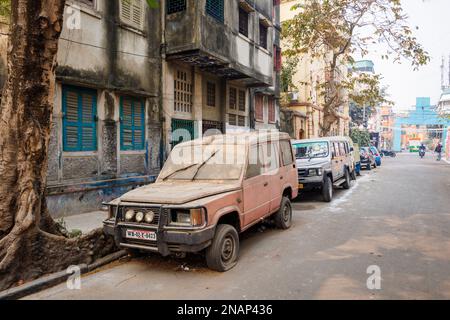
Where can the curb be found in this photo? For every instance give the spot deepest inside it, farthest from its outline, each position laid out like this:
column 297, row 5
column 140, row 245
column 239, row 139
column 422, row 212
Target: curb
column 56, row 278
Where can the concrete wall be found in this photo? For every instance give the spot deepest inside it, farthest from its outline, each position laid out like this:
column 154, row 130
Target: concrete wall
column 116, row 59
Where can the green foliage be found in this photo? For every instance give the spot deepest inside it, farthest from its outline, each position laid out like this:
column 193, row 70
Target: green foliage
column 337, row 30
column 361, row 137
column 5, row 9
column 287, row 73
column 153, row 4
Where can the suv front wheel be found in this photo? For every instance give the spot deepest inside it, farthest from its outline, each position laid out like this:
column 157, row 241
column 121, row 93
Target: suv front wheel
column 327, row 189
column 223, row 253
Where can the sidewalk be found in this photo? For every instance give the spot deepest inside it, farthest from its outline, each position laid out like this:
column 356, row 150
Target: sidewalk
column 85, row 222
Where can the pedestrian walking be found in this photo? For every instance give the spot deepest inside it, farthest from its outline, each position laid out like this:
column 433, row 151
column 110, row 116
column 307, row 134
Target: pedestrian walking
column 438, row 150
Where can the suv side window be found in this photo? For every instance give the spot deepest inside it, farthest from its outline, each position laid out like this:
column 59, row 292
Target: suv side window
column 272, row 157
column 286, row 153
column 336, row 149
column 342, row 148
column 255, row 165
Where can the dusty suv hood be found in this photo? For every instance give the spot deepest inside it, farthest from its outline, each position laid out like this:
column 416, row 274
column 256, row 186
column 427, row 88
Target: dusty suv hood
column 178, row 192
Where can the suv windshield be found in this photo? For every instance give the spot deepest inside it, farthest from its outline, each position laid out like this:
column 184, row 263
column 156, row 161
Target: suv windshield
column 205, row 162
column 311, row 150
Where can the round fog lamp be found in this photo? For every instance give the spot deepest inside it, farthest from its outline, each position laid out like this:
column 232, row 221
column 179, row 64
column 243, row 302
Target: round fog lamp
column 129, row 215
column 149, row 216
column 139, row 217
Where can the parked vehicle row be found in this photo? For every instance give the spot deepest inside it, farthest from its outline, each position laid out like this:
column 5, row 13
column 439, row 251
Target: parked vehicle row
column 212, row 189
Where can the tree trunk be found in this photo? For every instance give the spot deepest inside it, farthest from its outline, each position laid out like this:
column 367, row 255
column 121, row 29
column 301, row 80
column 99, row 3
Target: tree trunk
column 30, row 244
column 332, row 100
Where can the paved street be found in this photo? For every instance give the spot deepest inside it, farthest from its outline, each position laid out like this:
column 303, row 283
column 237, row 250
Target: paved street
column 396, row 217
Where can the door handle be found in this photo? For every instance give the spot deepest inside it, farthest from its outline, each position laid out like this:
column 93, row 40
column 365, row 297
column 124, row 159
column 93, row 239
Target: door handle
column 281, row 178
column 266, row 184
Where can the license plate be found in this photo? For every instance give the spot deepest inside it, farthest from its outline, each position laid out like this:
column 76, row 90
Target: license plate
column 141, row 235
column 301, row 186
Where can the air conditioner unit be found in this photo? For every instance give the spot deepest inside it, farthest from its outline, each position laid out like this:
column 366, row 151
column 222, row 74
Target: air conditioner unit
column 293, row 96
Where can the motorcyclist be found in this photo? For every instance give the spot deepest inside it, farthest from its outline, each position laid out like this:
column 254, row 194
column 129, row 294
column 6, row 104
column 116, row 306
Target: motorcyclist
column 422, row 150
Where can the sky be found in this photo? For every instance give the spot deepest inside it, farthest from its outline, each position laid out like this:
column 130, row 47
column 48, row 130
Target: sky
column 433, row 22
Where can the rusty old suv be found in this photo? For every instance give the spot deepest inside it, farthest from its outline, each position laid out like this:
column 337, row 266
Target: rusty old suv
column 209, row 191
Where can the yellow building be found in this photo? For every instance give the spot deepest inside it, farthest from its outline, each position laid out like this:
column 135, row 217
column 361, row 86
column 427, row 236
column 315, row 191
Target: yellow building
column 305, row 97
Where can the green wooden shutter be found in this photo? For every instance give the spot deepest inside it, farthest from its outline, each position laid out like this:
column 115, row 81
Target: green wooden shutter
column 79, row 119
column 132, row 128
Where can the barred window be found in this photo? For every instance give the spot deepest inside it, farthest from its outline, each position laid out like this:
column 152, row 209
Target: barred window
column 242, row 106
column 215, row 8
column 243, row 22
column 263, row 36
column 183, row 92
column 232, row 99
column 210, row 94
column 174, row 6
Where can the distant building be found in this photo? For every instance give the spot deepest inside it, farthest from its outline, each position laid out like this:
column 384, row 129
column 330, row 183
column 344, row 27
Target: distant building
column 423, row 123
column 387, row 127
column 305, row 98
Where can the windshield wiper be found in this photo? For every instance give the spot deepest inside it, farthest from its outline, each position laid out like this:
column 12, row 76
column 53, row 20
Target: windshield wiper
column 202, row 164
column 179, row 170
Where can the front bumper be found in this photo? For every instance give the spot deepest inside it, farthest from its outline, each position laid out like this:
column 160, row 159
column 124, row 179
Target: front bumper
column 168, row 240
column 310, row 182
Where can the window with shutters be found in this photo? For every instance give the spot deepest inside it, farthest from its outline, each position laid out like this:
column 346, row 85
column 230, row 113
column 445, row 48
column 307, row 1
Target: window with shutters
column 132, row 124
column 132, row 13
column 215, row 8
column 79, row 119
column 237, row 111
column 174, row 6
column 271, row 106
column 259, row 107
column 183, row 92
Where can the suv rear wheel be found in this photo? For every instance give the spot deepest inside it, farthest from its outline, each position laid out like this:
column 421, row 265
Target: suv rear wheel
column 223, row 253
column 283, row 218
column 327, row 189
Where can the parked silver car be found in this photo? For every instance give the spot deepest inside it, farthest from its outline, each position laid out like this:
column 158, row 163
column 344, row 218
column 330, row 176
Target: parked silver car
column 325, row 163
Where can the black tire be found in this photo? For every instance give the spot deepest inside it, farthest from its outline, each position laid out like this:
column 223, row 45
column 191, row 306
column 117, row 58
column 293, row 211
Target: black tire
column 347, row 184
column 327, row 189
column 283, row 217
column 223, row 253
column 369, row 167
column 375, row 165
column 353, row 175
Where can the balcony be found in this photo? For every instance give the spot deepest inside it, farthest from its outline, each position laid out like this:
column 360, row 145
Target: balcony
column 200, row 40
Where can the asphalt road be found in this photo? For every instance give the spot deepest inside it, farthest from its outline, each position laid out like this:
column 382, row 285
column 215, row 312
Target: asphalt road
column 396, row 218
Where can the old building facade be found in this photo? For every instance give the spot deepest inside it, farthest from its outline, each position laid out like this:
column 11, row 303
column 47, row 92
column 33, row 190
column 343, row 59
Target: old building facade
column 221, row 67
column 305, row 96
column 132, row 81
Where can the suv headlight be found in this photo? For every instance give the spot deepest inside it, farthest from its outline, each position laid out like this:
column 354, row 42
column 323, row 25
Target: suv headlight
column 188, row 217
column 315, row 172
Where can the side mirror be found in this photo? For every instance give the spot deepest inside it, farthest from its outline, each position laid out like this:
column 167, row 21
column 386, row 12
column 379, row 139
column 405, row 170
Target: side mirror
column 352, row 149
